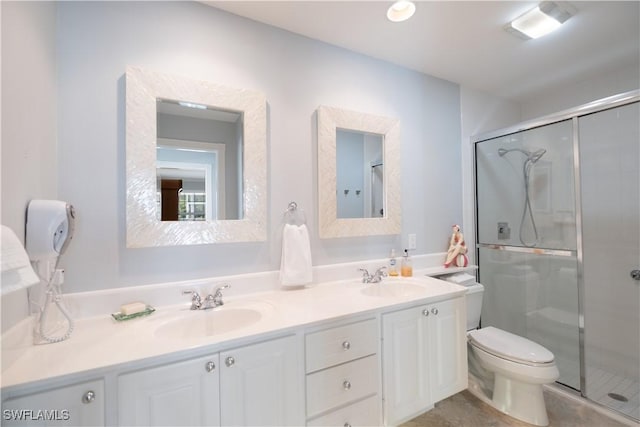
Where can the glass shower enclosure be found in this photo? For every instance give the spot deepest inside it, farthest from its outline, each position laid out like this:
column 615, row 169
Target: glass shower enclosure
column 558, row 242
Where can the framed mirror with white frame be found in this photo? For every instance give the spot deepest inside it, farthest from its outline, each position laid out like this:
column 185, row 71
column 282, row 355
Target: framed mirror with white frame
column 195, row 161
column 359, row 190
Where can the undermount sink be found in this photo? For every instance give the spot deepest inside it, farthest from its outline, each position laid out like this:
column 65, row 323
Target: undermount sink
column 393, row 288
column 216, row 321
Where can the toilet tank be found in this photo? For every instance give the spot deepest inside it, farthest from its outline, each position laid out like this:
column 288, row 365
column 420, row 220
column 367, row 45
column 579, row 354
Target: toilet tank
column 474, row 305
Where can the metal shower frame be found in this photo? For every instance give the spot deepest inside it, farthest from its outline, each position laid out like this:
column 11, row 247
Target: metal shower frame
column 572, row 114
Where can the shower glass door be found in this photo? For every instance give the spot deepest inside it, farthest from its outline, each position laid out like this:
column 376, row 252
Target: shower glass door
column 610, row 181
column 527, row 242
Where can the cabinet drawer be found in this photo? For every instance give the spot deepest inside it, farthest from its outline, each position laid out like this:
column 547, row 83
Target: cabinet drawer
column 342, row 344
column 363, row 413
column 341, row 384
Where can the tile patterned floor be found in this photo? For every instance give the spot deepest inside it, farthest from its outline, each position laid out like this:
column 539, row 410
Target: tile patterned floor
column 465, row 410
column 600, row 383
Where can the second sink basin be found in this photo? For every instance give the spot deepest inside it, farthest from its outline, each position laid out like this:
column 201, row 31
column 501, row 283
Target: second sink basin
column 393, row 288
column 206, row 323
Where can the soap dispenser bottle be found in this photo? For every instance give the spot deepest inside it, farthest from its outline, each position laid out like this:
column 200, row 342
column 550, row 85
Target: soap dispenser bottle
column 393, row 265
column 406, row 270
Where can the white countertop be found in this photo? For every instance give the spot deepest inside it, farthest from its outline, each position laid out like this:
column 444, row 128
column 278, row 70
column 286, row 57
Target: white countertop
column 101, row 342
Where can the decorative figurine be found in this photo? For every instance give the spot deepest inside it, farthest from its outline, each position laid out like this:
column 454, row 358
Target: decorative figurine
column 456, row 255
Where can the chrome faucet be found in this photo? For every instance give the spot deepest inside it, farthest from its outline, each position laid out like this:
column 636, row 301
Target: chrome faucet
column 375, row 277
column 215, row 300
column 211, row 301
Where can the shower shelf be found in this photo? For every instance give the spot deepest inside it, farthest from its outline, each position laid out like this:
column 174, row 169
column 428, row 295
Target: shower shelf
column 441, row 271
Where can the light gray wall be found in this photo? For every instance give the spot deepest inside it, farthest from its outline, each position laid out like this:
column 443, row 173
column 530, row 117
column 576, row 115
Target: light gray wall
column 29, row 155
column 96, row 41
column 578, row 92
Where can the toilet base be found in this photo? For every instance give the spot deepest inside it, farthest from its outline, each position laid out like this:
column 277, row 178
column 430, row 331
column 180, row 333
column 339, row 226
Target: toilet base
column 522, row 401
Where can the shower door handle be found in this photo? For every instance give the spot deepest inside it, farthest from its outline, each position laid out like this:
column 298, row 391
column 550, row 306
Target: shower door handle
column 635, row 274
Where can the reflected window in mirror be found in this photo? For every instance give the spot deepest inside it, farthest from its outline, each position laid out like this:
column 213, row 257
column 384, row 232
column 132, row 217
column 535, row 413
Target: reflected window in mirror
column 360, row 174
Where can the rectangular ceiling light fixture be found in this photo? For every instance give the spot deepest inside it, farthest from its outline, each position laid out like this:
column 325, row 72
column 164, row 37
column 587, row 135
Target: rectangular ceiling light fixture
column 541, row 20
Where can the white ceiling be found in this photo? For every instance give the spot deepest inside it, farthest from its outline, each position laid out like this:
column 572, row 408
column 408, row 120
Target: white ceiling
column 464, row 41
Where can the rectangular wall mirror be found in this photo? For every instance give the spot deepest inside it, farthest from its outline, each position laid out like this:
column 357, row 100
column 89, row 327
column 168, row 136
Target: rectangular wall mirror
column 358, row 174
column 196, row 161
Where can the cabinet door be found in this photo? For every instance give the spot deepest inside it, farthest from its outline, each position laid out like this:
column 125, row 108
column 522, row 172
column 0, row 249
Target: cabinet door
column 405, row 361
column 75, row 405
column 260, row 385
column 448, row 348
column 178, row 394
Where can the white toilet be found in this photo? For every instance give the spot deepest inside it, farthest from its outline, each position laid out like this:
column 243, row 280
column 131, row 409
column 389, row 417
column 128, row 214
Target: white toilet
column 505, row 370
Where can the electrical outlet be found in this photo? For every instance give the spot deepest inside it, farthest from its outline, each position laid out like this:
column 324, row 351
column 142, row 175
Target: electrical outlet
column 412, row 241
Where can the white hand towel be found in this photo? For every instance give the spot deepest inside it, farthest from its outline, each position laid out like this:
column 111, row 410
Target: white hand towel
column 17, row 272
column 295, row 264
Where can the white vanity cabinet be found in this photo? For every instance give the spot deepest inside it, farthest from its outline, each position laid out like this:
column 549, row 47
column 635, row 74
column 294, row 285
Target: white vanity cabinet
column 424, row 357
column 180, row 394
column 252, row 385
column 342, row 381
column 260, row 384
column 79, row 404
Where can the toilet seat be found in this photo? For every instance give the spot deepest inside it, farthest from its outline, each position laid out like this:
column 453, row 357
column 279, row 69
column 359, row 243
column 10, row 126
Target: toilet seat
column 510, row 347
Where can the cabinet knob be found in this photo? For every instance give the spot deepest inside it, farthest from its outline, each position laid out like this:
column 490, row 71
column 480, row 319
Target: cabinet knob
column 230, row 361
column 346, row 385
column 425, row 312
column 89, row 397
column 434, row 310
column 210, row 366
column 346, row 345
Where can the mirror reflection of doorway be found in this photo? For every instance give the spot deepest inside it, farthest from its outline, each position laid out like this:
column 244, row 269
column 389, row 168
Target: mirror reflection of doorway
column 169, row 199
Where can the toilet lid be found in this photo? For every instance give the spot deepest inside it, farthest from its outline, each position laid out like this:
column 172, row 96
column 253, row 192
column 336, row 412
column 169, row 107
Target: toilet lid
column 509, row 346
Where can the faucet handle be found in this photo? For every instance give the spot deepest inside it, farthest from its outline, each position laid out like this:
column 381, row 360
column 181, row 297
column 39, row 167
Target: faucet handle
column 196, row 301
column 366, row 277
column 217, row 295
column 218, row 289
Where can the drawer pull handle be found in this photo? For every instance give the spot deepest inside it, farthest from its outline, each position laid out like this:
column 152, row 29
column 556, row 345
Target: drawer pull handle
column 346, row 345
column 89, row 397
column 434, row 310
column 210, row 366
column 230, row 361
column 346, row 385
column 425, row 312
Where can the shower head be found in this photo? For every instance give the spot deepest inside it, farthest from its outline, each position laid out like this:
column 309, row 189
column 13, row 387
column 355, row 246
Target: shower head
column 531, row 156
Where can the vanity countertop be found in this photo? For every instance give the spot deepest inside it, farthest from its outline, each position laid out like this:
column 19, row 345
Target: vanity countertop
column 101, row 342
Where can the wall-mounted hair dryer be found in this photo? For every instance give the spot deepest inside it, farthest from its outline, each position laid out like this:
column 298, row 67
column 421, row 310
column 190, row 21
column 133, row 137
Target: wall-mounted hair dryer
column 50, row 226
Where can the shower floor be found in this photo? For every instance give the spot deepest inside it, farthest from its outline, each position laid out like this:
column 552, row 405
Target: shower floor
column 601, row 385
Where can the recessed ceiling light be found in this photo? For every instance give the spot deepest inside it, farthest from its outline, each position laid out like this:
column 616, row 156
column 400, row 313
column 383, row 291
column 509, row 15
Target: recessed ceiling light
column 401, row 11
column 541, row 20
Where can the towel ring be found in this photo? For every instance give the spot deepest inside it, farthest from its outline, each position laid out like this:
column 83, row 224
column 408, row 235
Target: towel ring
column 293, row 215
